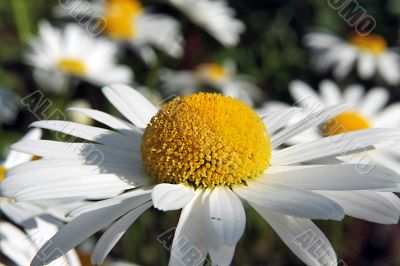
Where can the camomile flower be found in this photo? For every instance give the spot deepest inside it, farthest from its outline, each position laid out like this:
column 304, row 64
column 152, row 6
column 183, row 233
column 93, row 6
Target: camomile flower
column 127, row 21
column 214, row 16
column 221, row 77
column 9, row 105
column 204, row 154
column 370, row 54
column 21, row 246
column 57, row 55
column 370, row 110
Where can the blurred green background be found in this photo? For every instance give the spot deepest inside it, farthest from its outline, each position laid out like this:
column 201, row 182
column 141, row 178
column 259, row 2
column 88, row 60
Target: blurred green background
column 271, row 52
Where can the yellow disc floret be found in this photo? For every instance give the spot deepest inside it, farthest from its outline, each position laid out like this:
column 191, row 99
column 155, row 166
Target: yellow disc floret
column 345, row 122
column 3, row 171
column 72, row 66
column 205, row 140
column 371, row 43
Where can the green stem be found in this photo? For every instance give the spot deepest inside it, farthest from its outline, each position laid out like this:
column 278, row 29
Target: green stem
column 21, row 19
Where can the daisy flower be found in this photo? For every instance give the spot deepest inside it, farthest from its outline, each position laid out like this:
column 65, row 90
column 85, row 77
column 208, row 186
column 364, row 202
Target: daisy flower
column 370, row 54
column 127, row 21
column 204, row 154
column 214, row 16
column 370, row 110
column 222, row 77
column 57, row 55
column 9, row 105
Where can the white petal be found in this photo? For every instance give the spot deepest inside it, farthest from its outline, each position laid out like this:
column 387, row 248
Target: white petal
column 303, row 238
column 289, row 200
column 389, row 68
column 366, row 65
column 227, row 215
column 374, row 101
column 366, row 205
column 304, row 95
column 338, row 145
column 313, row 120
column 345, row 56
column 167, row 197
column 329, row 177
column 277, row 119
column 389, row 117
column 189, row 236
column 131, row 104
column 353, row 94
column 81, row 228
column 108, row 240
column 330, row 93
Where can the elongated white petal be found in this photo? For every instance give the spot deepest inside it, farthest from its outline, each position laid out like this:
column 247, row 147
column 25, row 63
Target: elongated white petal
column 168, row 197
column 221, row 254
column 303, row 238
column 353, row 94
column 330, row 93
column 189, row 235
column 131, row 104
column 367, row 205
column 291, row 201
column 310, row 121
column 108, row 240
column 304, row 94
column 366, row 65
column 374, row 101
column 95, row 134
column 82, row 227
column 331, row 177
column 278, row 119
column 388, row 67
column 389, row 117
column 338, row 145
column 227, row 215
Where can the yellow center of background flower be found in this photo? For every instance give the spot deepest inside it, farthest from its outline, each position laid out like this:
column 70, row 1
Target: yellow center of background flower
column 205, row 140
column 72, row 66
column 118, row 18
column 211, row 73
column 345, row 122
column 3, row 171
column 372, row 43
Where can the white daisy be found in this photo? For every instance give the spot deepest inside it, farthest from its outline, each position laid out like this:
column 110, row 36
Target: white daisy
column 370, row 110
column 222, row 77
column 20, row 247
column 215, row 16
column 9, row 105
column 369, row 54
column 57, row 55
column 203, row 153
column 127, row 21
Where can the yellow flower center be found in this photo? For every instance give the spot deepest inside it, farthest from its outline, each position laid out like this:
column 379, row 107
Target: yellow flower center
column 371, row 43
column 345, row 122
column 205, row 140
column 3, row 172
column 118, row 18
column 211, row 73
column 72, row 66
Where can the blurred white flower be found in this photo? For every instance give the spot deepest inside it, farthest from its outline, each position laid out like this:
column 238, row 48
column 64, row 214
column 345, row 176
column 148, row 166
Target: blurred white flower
column 369, row 110
column 76, row 116
column 204, row 164
column 215, row 16
column 127, row 21
column 221, row 77
column 57, row 55
column 369, row 54
column 9, row 105
column 20, row 247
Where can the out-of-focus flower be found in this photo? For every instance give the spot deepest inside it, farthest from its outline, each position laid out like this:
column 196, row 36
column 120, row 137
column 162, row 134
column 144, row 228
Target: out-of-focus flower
column 20, row 247
column 204, row 164
column 221, row 77
column 9, row 105
column 57, row 55
column 368, row 110
column 369, row 54
column 215, row 16
column 127, row 21
column 76, row 116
